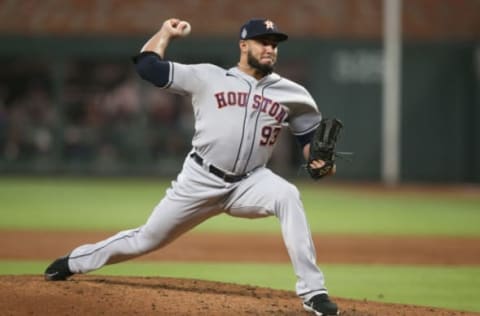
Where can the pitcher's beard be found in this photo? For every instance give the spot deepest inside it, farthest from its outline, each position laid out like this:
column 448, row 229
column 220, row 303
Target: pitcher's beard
column 263, row 69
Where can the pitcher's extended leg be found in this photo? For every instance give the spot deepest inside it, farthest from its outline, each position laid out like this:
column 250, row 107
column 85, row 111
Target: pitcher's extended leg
column 181, row 209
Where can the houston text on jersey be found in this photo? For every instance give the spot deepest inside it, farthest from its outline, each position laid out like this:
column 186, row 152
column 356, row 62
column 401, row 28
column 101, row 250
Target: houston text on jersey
column 265, row 105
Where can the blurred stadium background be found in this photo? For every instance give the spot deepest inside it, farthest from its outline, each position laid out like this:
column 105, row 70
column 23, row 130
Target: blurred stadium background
column 71, row 103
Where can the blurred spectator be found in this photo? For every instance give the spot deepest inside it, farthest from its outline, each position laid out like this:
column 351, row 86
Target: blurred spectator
column 166, row 139
column 28, row 118
column 110, row 120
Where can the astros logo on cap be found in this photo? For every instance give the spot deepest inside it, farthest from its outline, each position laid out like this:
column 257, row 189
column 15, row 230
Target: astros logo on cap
column 269, row 24
column 261, row 27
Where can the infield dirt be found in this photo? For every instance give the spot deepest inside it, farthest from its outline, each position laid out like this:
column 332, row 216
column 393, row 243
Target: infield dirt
column 102, row 295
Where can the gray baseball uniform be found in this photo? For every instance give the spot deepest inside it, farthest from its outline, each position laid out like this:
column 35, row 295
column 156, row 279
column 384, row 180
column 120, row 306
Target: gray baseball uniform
column 238, row 118
column 237, row 122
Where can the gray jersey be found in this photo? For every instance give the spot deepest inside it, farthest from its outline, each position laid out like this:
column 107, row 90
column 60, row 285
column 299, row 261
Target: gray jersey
column 237, row 123
column 238, row 118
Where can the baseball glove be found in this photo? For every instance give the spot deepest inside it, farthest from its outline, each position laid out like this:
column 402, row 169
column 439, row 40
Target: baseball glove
column 322, row 146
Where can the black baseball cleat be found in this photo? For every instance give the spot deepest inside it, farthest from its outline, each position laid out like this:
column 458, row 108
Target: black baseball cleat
column 58, row 270
column 321, row 305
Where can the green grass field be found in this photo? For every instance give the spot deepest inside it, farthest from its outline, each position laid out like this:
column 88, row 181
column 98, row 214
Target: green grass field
column 123, row 203
column 113, row 204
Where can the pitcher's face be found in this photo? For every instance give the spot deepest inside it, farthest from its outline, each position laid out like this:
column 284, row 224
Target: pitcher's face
column 262, row 54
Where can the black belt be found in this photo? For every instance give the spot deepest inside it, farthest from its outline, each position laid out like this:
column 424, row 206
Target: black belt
column 219, row 173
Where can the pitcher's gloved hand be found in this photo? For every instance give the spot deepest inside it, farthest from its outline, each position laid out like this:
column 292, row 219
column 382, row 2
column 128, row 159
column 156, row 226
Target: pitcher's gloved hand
column 322, row 147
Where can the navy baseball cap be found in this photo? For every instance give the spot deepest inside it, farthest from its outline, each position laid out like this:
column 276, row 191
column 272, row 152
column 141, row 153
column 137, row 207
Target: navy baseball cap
column 261, row 27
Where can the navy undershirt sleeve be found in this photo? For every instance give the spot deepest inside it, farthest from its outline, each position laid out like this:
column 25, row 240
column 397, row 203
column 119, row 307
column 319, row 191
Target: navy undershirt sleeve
column 151, row 67
column 305, row 138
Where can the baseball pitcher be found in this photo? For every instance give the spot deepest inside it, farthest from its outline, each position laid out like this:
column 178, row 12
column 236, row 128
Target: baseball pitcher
column 239, row 114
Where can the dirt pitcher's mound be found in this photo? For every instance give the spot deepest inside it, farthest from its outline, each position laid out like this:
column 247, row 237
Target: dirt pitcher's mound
column 95, row 295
